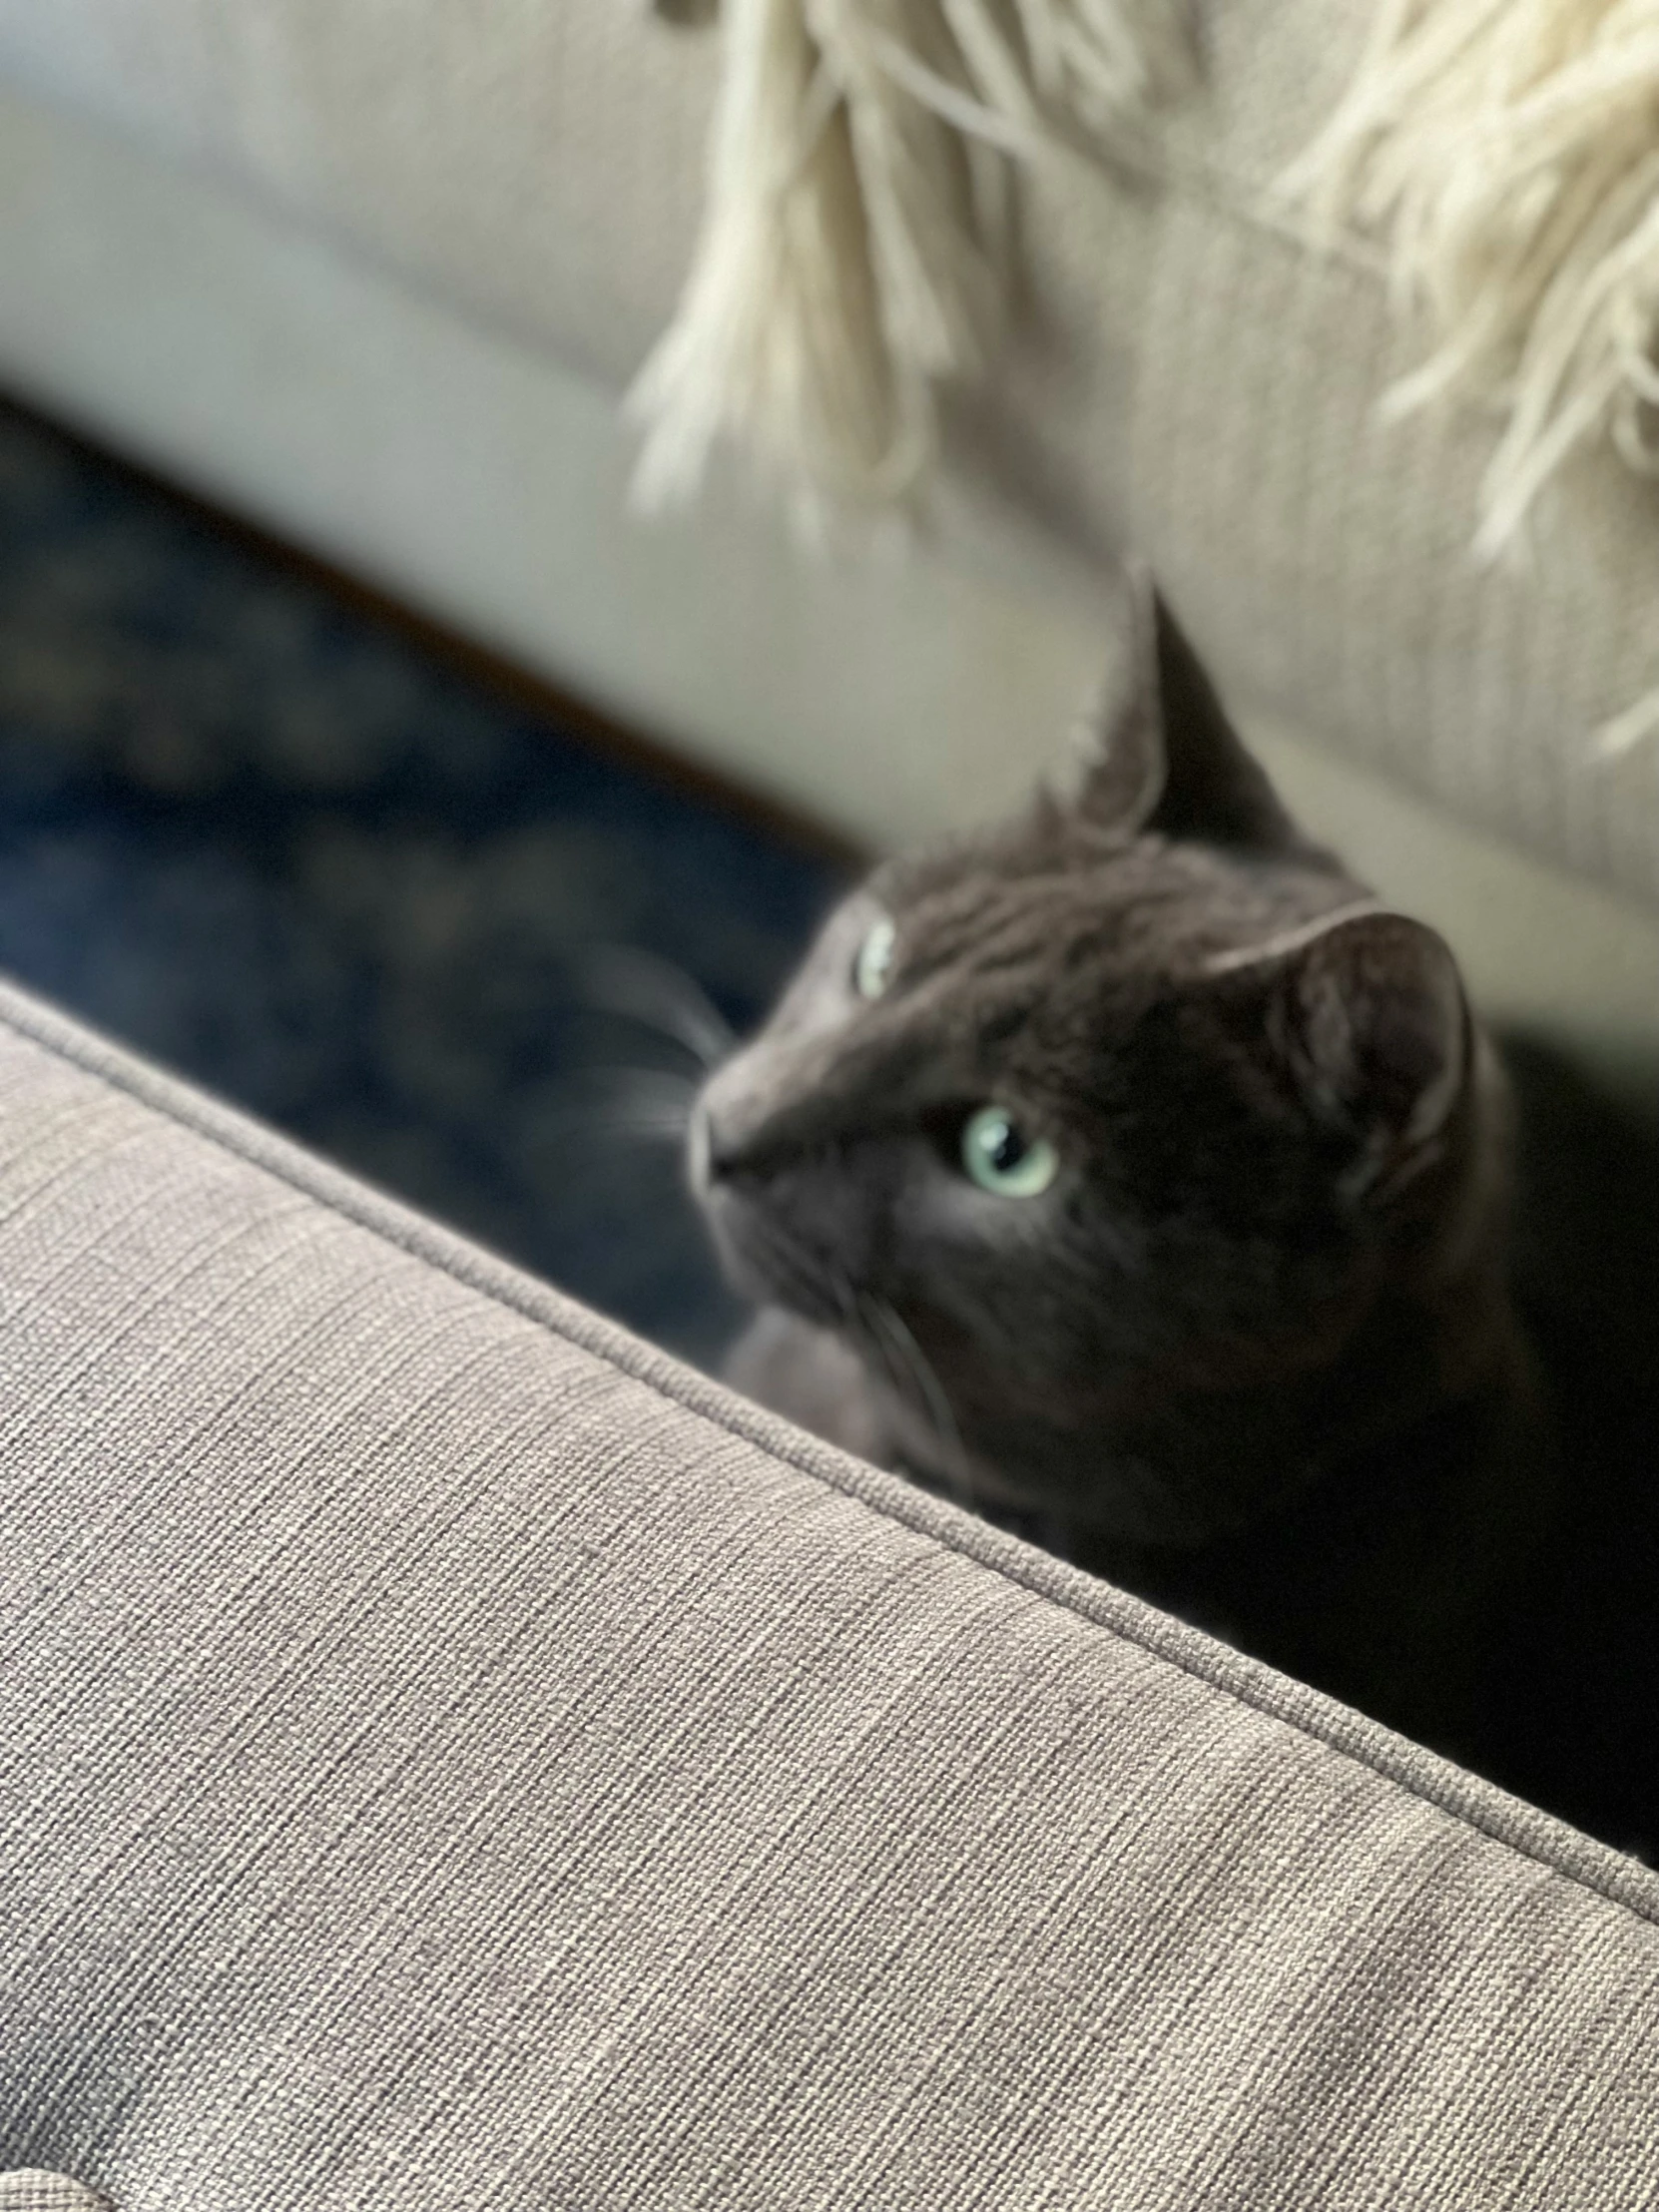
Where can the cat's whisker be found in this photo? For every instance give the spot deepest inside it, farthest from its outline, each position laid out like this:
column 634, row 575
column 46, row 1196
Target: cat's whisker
column 657, row 1136
column 786, row 1267
column 621, row 980
column 658, row 1128
column 862, row 1324
column 932, row 1402
column 642, row 1103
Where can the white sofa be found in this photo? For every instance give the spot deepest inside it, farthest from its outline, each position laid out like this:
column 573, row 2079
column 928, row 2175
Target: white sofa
column 375, row 273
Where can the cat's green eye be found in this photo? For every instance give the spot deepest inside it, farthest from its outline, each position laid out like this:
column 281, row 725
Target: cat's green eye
column 999, row 1157
column 873, row 966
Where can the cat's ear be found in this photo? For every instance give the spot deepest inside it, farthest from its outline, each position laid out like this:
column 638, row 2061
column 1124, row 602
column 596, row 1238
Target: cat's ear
column 1371, row 1017
column 1157, row 752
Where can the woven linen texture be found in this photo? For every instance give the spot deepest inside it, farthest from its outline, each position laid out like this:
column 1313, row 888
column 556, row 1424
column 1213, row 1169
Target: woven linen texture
column 450, row 1755
column 38, row 2191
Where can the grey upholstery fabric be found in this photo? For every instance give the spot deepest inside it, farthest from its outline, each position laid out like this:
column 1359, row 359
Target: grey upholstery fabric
column 38, row 2191
column 1191, row 377
column 450, row 1755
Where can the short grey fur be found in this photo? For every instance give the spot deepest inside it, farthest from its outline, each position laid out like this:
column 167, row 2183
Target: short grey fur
column 1246, row 1341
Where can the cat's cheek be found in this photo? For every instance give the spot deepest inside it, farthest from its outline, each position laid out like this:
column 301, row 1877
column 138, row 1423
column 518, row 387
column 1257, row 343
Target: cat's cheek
column 775, row 1250
column 963, row 1218
column 747, row 1258
column 736, row 1263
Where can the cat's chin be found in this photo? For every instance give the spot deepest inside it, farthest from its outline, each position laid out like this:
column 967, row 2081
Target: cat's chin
column 762, row 1265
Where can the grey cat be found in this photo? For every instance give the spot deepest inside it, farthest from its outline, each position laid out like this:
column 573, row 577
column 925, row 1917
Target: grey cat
column 1131, row 1168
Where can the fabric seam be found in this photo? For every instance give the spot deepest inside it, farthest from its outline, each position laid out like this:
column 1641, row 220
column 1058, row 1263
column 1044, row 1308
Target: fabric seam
column 117, row 1079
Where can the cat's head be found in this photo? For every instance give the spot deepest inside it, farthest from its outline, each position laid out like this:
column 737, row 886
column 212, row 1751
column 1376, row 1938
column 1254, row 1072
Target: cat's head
column 1131, row 1108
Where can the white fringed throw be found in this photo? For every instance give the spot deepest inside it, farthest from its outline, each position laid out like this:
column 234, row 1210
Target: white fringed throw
column 851, row 255
column 1510, row 150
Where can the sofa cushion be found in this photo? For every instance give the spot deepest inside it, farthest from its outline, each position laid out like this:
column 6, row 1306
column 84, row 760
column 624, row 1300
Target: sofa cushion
column 454, row 1755
column 540, row 163
column 34, row 2190
column 1190, row 376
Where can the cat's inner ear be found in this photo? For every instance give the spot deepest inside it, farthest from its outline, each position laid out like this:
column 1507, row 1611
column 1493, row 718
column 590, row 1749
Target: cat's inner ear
column 1371, row 1018
column 1157, row 752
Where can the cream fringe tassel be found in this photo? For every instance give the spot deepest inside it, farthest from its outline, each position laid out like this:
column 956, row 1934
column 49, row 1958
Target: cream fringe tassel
column 852, row 254
column 1511, row 148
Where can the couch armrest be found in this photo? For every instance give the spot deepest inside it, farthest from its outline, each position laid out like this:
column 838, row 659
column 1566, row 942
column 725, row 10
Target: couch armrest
column 454, row 1755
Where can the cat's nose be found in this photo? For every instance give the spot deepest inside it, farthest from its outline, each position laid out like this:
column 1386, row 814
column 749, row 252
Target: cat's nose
column 709, row 1149
column 730, row 1128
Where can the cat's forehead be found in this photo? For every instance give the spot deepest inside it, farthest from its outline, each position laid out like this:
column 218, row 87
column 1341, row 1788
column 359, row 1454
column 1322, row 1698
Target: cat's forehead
column 1143, row 911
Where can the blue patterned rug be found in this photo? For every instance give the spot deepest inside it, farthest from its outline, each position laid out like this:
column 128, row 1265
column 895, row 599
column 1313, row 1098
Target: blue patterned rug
column 271, row 843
